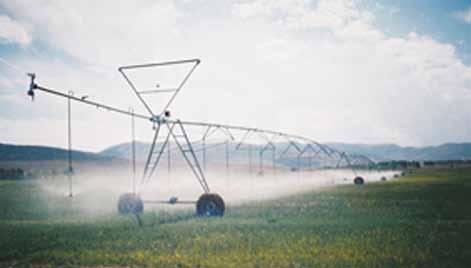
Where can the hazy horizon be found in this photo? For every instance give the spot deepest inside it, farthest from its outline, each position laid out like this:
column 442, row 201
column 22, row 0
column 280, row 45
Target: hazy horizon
column 64, row 147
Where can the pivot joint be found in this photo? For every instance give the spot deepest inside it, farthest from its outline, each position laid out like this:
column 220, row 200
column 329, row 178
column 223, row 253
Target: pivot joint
column 32, row 85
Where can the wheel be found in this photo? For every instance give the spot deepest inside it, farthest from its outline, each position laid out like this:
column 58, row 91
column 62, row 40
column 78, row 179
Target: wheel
column 173, row 200
column 210, row 205
column 358, row 180
column 383, row 178
column 130, row 203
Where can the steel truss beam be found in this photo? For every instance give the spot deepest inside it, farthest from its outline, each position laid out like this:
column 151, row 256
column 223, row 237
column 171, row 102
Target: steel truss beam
column 325, row 152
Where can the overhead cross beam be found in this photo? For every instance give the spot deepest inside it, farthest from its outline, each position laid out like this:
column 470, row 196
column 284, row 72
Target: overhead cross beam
column 175, row 91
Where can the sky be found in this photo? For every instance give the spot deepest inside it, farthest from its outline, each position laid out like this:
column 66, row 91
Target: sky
column 356, row 71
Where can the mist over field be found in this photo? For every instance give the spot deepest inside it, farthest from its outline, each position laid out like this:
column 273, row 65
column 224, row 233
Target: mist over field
column 96, row 192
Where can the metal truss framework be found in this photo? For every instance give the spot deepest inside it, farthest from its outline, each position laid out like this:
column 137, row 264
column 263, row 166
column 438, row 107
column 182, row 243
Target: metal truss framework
column 283, row 146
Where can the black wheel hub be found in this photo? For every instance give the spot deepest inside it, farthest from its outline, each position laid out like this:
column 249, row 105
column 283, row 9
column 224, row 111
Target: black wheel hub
column 210, row 205
column 358, row 180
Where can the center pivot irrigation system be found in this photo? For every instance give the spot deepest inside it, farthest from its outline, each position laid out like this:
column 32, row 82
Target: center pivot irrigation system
column 297, row 152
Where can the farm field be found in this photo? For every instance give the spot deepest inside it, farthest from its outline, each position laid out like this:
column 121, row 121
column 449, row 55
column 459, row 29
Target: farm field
column 421, row 220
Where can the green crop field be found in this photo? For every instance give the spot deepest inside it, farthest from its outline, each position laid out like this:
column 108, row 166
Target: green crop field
column 422, row 220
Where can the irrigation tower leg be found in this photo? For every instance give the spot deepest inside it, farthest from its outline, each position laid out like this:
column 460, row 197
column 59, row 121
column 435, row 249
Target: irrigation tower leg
column 298, row 160
column 189, row 154
column 150, row 153
column 227, row 157
column 250, row 159
column 261, row 162
column 204, row 154
column 133, row 137
column 69, row 139
column 169, row 158
column 274, row 161
column 169, row 165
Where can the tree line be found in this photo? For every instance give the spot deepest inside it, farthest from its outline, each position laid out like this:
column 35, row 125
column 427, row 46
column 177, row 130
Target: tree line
column 12, row 174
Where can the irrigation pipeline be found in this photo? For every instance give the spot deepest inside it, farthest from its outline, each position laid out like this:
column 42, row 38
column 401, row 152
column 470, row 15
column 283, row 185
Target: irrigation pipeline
column 329, row 151
column 93, row 103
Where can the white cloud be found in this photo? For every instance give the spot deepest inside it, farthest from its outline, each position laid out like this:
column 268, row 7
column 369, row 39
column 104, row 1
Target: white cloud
column 300, row 14
column 96, row 32
column 464, row 15
column 321, row 69
column 12, row 31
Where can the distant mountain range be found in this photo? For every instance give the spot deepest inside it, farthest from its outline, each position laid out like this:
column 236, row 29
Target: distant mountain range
column 381, row 152
column 385, row 152
column 9, row 152
column 123, row 150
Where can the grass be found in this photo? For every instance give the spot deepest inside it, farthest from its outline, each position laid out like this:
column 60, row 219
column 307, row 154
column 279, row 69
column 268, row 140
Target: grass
column 422, row 220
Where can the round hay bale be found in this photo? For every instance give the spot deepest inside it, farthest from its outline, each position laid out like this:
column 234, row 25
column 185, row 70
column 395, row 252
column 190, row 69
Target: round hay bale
column 358, row 180
column 210, row 205
column 130, row 203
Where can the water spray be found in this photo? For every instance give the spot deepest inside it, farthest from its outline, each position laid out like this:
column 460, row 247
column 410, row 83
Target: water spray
column 169, row 130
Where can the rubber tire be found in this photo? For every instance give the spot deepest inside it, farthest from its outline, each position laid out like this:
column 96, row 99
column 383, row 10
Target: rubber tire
column 130, row 203
column 358, row 180
column 383, row 178
column 210, row 205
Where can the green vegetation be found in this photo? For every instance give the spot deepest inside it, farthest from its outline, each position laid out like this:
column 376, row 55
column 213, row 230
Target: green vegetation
column 12, row 174
column 423, row 220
